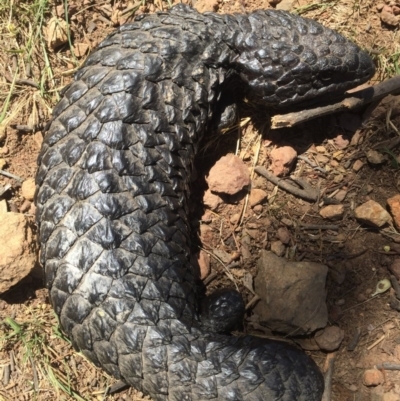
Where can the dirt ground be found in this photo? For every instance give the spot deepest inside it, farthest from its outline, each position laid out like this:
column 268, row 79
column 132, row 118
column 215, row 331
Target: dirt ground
column 38, row 363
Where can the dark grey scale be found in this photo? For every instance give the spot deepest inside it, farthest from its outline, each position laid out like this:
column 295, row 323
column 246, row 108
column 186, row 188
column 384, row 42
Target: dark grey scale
column 112, row 197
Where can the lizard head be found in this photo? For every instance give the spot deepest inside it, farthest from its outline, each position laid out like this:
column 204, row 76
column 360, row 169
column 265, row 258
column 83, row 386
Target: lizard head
column 286, row 59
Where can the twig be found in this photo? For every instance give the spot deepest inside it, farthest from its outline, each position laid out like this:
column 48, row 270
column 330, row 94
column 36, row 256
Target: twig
column 329, row 365
column 353, row 101
column 388, row 366
column 9, row 175
column 313, row 165
column 306, row 191
column 375, row 343
column 253, row 300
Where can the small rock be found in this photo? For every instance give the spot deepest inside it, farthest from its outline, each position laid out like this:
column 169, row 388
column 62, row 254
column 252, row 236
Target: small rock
column 284, row 235
column 3, row 163
column 373, row 377
column 229, row 175
column 321, row 159
column 206, row 234
column 341, row 195
column 338, row 178
column 273, row 3
column 330, row 338
column 258, row 209
column 394, row 207
column 287, row 222
column 257, row 196
column 375, row 157
column 379, row 6
column 80, row 49
column 206, row 5
column 28, row 189
column 388, row 17
column 211, row 200
column 320, row 149
column 340, row 142
column 278, row 248
column 303, row 307
column 358, row 165
column 17, row 249
column 332, row 212
column 372, row 213
column 396, row 10
column 282, row 160
column 203, row 260
column 235, row 218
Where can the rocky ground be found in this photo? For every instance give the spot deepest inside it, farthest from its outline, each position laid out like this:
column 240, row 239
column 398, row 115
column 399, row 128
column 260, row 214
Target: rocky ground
column 317, row 261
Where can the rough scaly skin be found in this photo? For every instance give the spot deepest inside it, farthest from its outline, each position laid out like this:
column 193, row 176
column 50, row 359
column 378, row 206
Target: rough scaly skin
column 112, row 193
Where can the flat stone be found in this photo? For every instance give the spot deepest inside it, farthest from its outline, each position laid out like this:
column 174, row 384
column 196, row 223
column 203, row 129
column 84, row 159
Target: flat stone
column 332, row 212
column 229, row 175
column 17, row 249
column 257, row 196
column 358, row 165
column 373, row 214
column 292, row 294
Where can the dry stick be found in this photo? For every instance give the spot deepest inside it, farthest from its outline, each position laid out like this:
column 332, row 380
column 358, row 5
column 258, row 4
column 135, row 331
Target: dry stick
column 306, row 192
column 355, row 100
column 388, row 366
column 329, row 363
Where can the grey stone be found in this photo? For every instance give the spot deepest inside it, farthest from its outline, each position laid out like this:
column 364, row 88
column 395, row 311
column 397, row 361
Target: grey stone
column 292, row 294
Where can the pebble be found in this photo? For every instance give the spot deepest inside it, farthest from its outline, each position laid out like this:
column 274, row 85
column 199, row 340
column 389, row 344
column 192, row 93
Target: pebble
column 358, row 165
column 278, row 248
column 211, row 200
column 375, row 157
column 373, row 214
column 372, row 377
column 258, row 209
column 235, row 218
column 229, row 175
column 330, row 338
column 28, row 189
column 283, row 235
column 332, row 212
column 320, row 149
column 282, row 160
column 257, row 196
column 388, row 17
column 341, row 195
